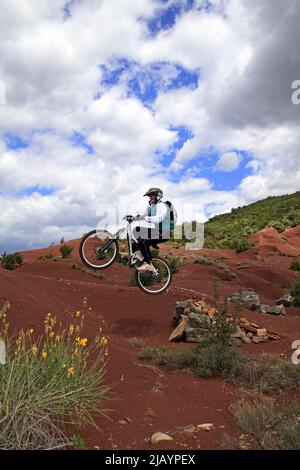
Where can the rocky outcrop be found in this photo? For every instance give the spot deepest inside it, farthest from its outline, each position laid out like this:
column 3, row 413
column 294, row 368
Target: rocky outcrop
column 247, row 298
column 287, row 300
column 276, row 310
column 250, row 300
column 197, row 318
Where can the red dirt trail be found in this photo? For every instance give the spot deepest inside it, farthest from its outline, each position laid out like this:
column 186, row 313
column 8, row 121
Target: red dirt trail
column 152, row 400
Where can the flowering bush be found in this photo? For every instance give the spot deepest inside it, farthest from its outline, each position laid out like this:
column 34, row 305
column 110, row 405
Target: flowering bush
column 48, row 381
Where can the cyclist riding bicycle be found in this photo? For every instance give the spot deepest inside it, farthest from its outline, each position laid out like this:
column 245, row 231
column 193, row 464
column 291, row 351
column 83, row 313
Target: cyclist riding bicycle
column 159, row 222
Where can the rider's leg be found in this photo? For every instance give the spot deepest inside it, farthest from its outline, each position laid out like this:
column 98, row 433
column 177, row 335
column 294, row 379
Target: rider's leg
column 140, row 235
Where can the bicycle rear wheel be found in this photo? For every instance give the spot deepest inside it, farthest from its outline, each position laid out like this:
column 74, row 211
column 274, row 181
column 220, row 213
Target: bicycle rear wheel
column 154, row 283
column 98, row 249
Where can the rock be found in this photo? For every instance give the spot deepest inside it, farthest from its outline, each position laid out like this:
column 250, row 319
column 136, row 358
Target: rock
column 198, row 320
column 211, row 311
column 246, row 339
column 250, row 334
column 243, row 265
column 276, row 310
column 178, row 333
column 193, row 335
column 122, row 421
column 236, row 341
column 159, row 437
column 179, row 310
column 287, row 300
column 195, row 308
column 200, row 304
column 247, row 298
column 259, row 339
column 206, row 426
column 261, row 332
column 239, row 333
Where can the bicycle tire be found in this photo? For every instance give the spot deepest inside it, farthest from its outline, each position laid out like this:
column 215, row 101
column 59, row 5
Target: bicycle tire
column 81, row 249
column 160, row 291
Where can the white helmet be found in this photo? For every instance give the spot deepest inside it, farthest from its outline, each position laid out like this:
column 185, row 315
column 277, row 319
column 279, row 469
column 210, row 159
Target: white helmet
column 156, row 191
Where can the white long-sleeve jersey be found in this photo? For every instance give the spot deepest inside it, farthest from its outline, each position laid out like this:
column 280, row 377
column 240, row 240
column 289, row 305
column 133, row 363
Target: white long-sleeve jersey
column 161, row 212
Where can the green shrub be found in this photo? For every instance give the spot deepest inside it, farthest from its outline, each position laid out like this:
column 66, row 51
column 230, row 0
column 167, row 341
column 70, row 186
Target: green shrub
column 229, row 275
column 204, row 260
column 11, row 261
column 243, row 245
column 173, row 262
column 295, row 265
column 268, row 427
column 278, row 225
column 122, row 260
column 66, row 250
column 77, row 443
column 49, row 381
column 295, row 292
column 269, row 373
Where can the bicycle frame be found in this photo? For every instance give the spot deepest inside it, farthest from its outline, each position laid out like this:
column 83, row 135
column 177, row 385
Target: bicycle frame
column 117, row 235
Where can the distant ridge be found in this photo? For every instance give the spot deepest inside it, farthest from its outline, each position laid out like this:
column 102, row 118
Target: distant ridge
column 231, row 230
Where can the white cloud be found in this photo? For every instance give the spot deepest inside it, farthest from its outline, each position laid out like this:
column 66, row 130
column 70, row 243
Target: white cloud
column 228, row 161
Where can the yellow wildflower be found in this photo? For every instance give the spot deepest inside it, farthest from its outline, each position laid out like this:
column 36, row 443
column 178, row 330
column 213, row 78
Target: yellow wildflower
column 71, row 329
column 31, row 331
column 77, row 314
column 51, row 334
column 34, row 350
column 81, row 341
column 44, row 354
column 70, row 372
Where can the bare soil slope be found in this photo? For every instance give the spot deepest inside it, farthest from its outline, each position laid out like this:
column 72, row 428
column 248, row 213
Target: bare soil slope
column 151, row 399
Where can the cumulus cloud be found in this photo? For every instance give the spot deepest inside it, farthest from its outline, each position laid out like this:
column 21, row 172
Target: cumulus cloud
column 228, row 161
column 51, row 61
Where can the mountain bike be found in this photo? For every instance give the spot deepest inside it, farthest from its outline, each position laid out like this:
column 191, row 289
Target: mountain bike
column 99, row 249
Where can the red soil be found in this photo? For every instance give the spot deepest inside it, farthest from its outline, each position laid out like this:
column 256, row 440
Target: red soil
column 156, row 400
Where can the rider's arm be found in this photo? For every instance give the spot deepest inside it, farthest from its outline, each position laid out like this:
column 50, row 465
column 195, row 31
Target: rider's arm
column 161, row 212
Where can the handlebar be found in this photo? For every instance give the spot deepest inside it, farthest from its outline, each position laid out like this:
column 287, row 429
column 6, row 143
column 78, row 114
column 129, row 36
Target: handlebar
column 131, row 218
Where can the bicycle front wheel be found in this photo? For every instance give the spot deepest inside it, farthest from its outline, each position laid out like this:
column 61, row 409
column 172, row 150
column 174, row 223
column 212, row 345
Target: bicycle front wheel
column 98, row 249
column 154, row 282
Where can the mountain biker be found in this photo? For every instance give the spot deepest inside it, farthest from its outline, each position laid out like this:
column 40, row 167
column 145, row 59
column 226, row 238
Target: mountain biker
column 157, row 230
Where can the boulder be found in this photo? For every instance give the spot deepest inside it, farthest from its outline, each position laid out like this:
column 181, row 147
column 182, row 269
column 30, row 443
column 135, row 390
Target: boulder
column 259, row 339
column 178, row 333
column 246, row 298
column 262, row 332
column 239, row 333
column 193, row 335
column 246, row 339
column 276, row 310
column 179, row 310
column 198, row 320
column 236, row 341
column 287, row 300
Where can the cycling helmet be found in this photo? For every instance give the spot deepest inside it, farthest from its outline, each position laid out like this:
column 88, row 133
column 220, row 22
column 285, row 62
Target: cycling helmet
column 157, row 191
